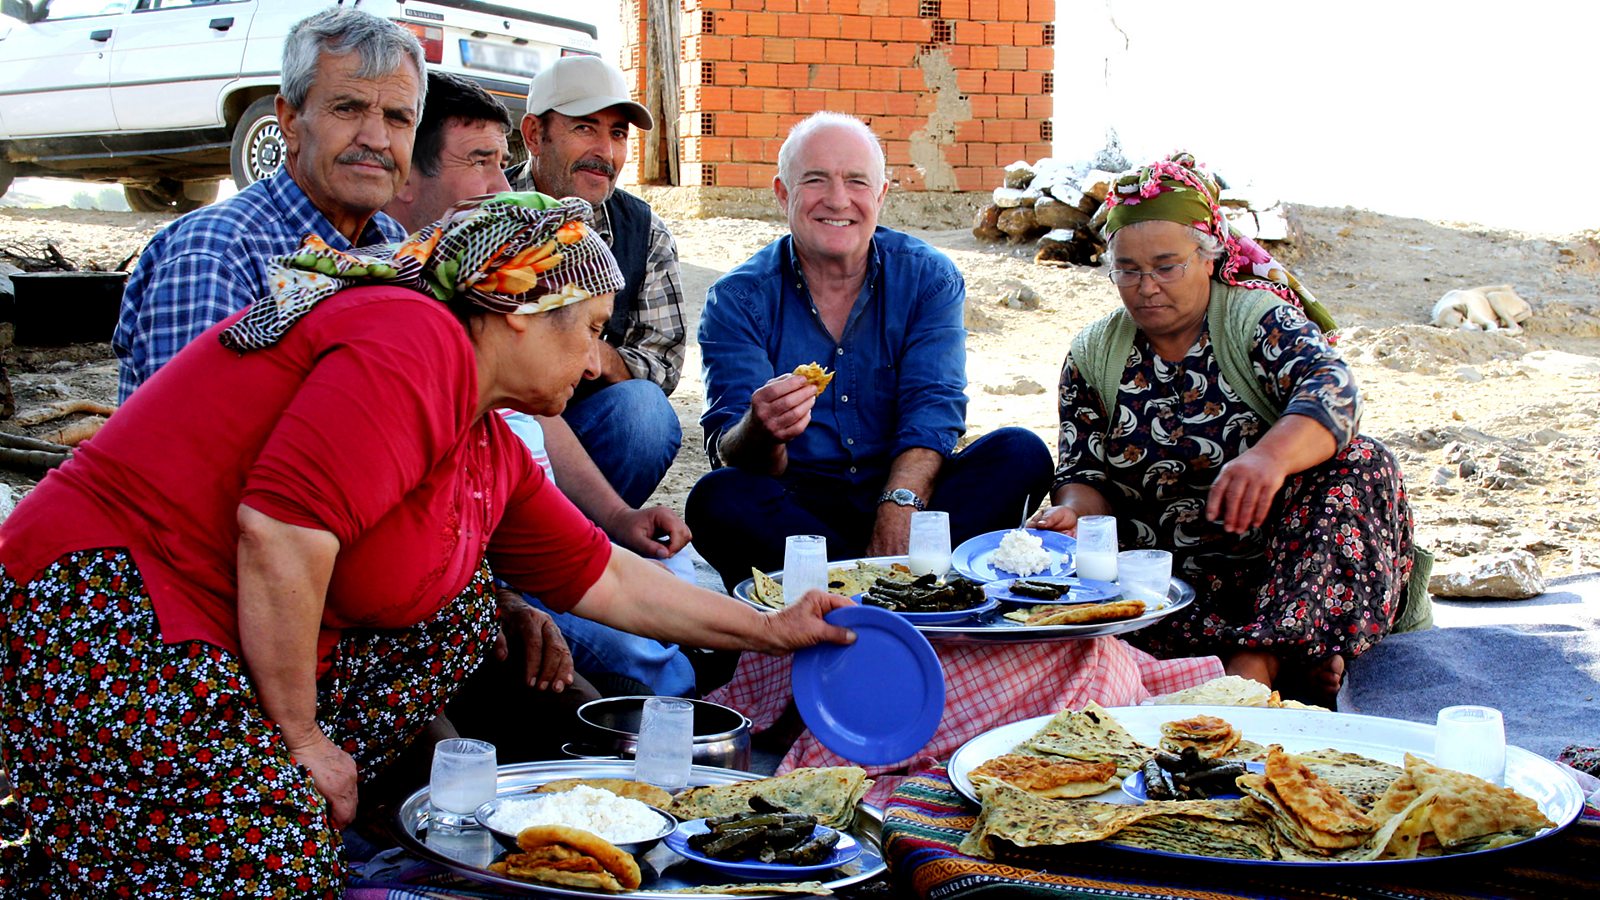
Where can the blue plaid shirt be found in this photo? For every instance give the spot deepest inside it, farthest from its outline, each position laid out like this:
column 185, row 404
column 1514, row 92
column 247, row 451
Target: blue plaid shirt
column 212, row 263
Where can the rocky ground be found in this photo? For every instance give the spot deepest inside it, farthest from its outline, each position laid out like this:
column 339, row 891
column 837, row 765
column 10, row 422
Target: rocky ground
column 1497, row 432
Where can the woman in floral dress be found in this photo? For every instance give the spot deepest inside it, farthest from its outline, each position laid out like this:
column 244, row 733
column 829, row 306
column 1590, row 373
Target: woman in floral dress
column 1213, row 418
column 270, row 569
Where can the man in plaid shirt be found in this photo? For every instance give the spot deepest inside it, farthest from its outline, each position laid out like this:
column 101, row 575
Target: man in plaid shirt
column 349, row 148
column 576, row 131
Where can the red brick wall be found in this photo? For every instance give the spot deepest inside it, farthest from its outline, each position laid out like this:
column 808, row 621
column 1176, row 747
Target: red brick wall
column 956, row 89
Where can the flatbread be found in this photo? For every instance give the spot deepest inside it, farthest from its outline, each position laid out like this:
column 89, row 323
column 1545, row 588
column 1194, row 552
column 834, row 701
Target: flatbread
column 765, row 590
column 1305, row 811
column 1013, row 818
column 1088, row 613
column 1210, row 736
column 1048, row 778
column 622, row 787
column 829, row 793
column 815, row 375
column 1469, row 813
column 856, row 578
column 1091, row 735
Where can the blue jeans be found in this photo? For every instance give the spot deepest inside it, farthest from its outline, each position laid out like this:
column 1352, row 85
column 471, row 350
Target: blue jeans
column 599, row 650
column 740, row 519
column 631, row 432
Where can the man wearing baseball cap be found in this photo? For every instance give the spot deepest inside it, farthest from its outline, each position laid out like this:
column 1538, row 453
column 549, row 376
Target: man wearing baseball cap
column 576, row 132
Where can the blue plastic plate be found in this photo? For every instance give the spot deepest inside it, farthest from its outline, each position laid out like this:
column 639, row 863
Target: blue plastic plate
column 1084, row 590
column 678, row 842
column 974, row 558
column 876, row 701
column 939, row 618
column 1133, row 785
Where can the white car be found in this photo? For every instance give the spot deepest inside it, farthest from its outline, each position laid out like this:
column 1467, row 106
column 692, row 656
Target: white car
column 169, row 96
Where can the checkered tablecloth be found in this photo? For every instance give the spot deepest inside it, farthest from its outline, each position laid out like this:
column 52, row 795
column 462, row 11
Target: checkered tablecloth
column 986, row 686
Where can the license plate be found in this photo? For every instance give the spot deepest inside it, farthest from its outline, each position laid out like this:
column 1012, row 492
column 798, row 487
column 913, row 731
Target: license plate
column 500, row 58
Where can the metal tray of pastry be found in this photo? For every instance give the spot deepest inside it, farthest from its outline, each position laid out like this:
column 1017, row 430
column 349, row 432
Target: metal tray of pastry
column 469, row 850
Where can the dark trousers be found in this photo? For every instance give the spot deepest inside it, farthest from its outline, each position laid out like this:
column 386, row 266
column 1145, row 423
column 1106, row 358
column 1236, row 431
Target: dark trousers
column 740, row 519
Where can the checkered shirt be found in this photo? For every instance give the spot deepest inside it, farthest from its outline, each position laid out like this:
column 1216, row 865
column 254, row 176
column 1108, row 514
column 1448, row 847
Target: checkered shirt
column 653, row 346
column 210, row 264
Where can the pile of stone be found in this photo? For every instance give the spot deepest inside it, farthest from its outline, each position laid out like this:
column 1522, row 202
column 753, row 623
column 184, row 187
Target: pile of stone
column 1053, row 204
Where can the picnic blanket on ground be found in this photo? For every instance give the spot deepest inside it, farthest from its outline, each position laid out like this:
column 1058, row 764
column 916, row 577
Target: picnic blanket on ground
column 926, row 819
column 986, row 686
column 1537, row 661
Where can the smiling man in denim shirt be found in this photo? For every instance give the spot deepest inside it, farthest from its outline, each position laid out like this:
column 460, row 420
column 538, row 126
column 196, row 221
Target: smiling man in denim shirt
column 883, row 310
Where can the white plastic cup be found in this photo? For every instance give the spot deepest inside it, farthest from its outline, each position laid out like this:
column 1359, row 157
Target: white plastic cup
column 1471, row 739
column 805, row 566
column 666, row 743
column 1096, row 554
column 462, row 779
column 928, row 550
column 1144, row 574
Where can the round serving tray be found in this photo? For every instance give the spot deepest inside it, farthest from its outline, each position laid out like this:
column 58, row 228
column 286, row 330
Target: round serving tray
column 993, row 628
column 469, row 851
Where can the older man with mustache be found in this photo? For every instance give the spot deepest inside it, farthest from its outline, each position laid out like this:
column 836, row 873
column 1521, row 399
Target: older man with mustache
column 352, row 92
column 576, row 131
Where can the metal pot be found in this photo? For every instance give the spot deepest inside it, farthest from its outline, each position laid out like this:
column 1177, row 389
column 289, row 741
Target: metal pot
column 55, row 308
column 721, row 735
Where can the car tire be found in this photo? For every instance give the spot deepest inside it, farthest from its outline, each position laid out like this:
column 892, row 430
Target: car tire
column 170, row 196
column 258, row 148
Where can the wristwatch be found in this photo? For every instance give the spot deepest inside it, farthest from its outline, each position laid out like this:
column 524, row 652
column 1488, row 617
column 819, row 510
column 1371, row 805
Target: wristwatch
column 903, row 497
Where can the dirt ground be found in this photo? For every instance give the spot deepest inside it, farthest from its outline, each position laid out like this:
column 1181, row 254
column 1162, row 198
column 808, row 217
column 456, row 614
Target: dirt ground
column 1497, row 433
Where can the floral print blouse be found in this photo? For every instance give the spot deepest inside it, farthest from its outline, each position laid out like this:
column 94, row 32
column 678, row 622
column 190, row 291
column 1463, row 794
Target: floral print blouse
column 1177, row 423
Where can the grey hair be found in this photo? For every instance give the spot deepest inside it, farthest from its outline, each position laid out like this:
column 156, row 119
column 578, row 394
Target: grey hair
column 382, row 44
column 1210, row 247
column 788, row 153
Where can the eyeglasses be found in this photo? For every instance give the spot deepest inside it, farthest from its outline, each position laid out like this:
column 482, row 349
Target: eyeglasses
column 1160, row 274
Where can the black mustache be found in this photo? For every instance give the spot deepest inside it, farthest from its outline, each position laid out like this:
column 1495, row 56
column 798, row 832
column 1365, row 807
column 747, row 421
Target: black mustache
column 365, row 156
column 595, row 165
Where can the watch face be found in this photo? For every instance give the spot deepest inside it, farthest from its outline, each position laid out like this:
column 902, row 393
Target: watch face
column 903, row 497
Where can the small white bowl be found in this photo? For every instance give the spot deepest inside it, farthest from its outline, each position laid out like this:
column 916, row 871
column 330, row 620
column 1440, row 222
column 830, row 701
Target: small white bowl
column 508, row 839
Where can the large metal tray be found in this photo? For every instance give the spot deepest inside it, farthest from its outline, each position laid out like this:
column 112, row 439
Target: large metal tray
column 468, row 851
column 993, row 628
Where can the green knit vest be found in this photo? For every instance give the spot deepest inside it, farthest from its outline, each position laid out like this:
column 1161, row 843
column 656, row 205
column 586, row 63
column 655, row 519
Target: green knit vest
column 1101, row 350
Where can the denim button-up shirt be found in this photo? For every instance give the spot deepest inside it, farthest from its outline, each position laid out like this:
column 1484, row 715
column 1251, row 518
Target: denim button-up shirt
column 900, row 364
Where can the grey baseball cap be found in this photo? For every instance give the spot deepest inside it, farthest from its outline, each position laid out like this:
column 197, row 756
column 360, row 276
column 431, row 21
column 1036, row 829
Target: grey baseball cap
column 582, row 86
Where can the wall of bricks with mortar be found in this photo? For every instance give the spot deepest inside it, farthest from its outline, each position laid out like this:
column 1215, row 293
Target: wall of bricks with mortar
column 956, row 89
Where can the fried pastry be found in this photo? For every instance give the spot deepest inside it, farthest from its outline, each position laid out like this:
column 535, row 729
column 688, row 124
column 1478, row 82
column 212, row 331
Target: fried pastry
column 1051, row 779
column 815, row 375
column 1088, row 613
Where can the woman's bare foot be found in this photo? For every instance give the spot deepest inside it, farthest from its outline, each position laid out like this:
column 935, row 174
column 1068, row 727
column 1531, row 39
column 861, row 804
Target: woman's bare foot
column 1256, row 665
column 1326, row 677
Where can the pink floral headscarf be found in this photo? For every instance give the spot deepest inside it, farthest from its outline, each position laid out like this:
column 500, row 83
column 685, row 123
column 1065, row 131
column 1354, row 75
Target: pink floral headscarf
column 1176, row 189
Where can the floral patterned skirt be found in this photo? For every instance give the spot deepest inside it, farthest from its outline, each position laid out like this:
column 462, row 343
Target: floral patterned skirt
column 144, row 768
column 1338, row 554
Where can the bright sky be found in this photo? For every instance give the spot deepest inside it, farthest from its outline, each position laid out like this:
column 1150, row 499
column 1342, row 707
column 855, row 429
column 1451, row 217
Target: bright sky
column 1469, row 111
column 1465, row 111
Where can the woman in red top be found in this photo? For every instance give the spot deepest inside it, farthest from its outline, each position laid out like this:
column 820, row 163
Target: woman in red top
column 271, row 568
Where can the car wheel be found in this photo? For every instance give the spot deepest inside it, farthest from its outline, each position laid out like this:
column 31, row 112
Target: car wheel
column 258, row 148
column 169, row 196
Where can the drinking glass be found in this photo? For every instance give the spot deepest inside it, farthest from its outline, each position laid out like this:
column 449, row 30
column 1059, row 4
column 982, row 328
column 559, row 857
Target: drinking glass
column 929, row 547
column 1471, row 739
column 666, row 743
column 1097, row 548
column 1144, row 574
column 462, row 780
column 805, row 566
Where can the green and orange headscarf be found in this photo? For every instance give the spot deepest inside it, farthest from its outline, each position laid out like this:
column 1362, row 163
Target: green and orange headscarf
column 1176, row 189
column 517, row 253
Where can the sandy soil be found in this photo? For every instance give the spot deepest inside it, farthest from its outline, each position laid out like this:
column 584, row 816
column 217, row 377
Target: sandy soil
column 1497, row 433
